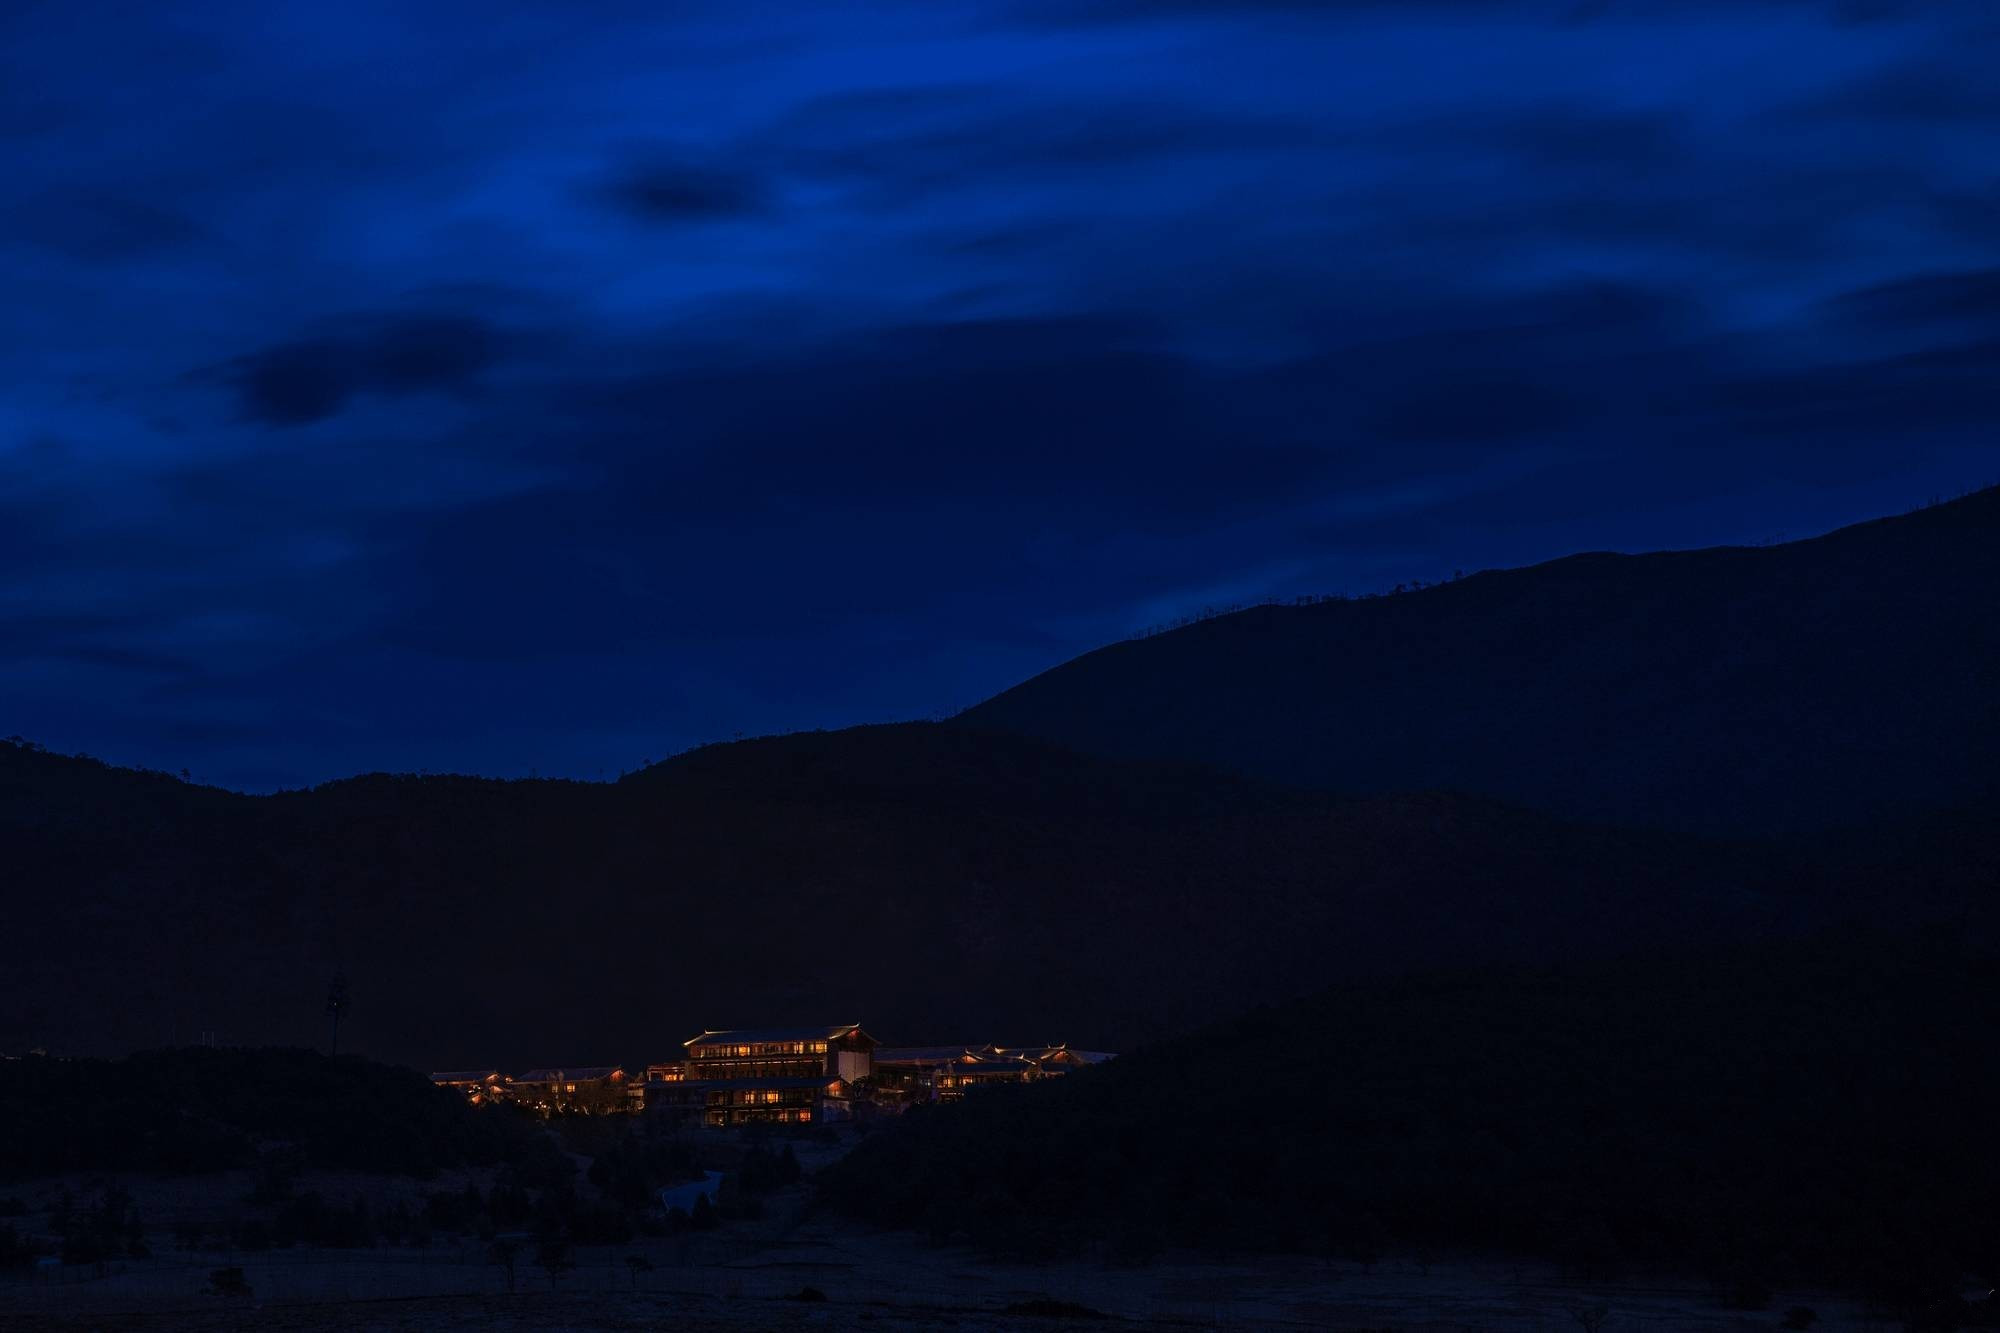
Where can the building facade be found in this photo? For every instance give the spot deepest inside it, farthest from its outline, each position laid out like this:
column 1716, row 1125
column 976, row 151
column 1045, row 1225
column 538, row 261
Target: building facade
column 773, row 1076
column 909, row 1074
column 596, row 1090
column 478, row 1086
column 750, row 1076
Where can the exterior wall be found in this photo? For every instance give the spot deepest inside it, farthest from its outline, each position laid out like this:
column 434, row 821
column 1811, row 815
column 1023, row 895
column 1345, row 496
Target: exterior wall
column 851, row 1066
column 770, row 1059
column 493, row 1088
column 710, row 1070
column 675, row 1102
column 591, row 1096
column 726, row 1106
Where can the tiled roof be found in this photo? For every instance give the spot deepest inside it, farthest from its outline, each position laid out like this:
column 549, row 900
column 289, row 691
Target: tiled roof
column 589, row 1075
column 968, row 1055
column 465, row 1075
column 920, row 1055
column 1059, row 1052
column 752, row 1036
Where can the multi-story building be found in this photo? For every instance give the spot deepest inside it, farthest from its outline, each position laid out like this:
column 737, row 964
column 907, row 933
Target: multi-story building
column 796, row 1076
column 799, row 1076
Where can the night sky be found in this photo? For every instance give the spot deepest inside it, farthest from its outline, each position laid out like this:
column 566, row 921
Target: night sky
column 549, row 387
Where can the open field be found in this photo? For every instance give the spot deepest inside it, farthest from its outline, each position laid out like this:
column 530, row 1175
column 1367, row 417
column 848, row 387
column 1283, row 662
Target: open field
column 746, row 1277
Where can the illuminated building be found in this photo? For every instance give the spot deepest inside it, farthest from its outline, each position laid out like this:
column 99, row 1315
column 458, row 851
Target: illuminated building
column 479, row 1086
column 906, row 1074
column 779, row 1076
column 596, row 1090
column 798, row 1076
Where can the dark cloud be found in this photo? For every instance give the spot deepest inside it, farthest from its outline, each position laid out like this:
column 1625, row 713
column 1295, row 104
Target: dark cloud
column 97, row 226
column 295, row 383
column 1873, row 400
column 906, row 143
column 673, row 192
column 1964, row 300
column 124, row 659
column 1012, row 241
column 307, row 380
column 1573, row 137
column 920, row 471
column 1948, row 88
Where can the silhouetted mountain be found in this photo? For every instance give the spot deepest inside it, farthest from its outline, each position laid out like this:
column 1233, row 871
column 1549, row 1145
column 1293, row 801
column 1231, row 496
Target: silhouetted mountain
column 1850, row 677
column 950, row 882
column 933, row 882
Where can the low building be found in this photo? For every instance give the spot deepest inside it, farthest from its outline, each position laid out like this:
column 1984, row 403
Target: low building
column 1057, row 1059
column 908, row 1074
column 479, row 1086
column 593, row 1090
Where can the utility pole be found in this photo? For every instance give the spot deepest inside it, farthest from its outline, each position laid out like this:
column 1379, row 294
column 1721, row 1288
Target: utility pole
column 336, row 1005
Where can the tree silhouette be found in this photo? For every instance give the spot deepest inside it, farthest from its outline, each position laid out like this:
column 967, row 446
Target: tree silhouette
column 506, row 1253
column 1590, row 1318
column 552, row 1255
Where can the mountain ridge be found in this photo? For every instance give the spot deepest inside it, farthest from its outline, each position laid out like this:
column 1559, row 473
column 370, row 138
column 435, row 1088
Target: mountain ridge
column 1849, row 676
column 959, row 881
column 487, row 922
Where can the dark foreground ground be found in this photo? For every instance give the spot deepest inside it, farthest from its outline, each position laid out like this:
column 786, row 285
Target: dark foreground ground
column 878, row 1281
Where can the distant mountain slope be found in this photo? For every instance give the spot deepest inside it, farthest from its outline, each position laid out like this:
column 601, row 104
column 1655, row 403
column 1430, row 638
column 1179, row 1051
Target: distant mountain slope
column 1676, row 1114
column 932, row 882
column 1796, row 687
column 1269, row 821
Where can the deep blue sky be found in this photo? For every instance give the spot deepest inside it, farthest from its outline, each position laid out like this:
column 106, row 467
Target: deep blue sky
column 509, row 387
